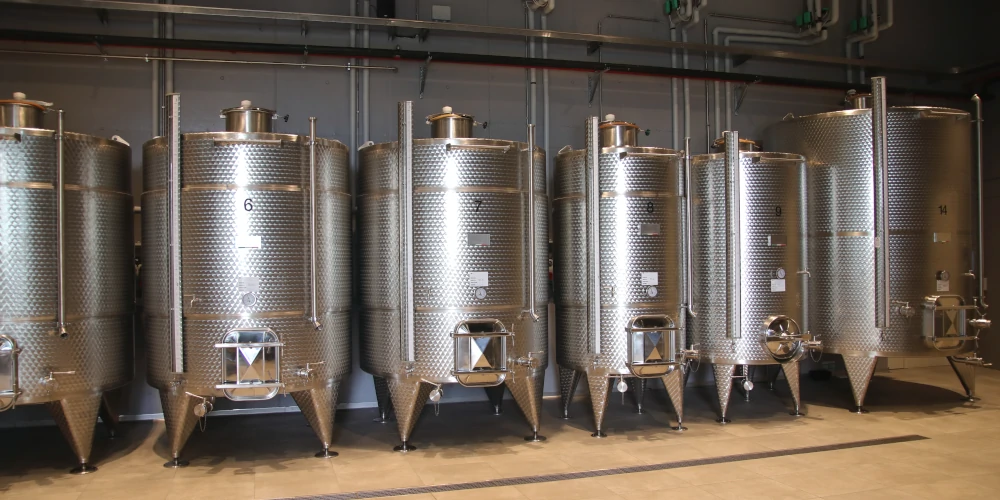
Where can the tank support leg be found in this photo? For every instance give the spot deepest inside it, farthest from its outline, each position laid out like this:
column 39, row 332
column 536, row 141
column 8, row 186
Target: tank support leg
column 966, row 373
column 319, row 407
column 568, row 381
column 527, row 391
column 77, row 418
column 637, row 386
column 495, row 395
column 109, row 414
column 600, row 389
column 772, row 379
column 674, row 383
column 791, row 370
column 723, row 388
column 383, row 400
column 408, row 399
column 180, row 421
column 859, row 372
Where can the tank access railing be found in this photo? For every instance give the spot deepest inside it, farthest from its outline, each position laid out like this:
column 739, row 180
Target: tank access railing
column 60, row 188
column 593, row 199
column 174, row 233
column 314, row 317
column 880, row 164
column 734, row 205
column 978, row 120
column 530, row 311
column 404, row 158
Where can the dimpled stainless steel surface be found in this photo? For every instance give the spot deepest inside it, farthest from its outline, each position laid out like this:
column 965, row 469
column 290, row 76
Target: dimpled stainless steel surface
column 475, row 187
column 929, row 194
column 638, row 190
column 773, row 212
column 456, row 193
column 236, row 186
column 99, row 286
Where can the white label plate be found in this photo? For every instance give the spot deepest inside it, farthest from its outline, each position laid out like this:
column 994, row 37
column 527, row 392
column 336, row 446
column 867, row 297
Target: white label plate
column 777, row 285
column 944, row 285
column 650, row 279
column 246, row 241
column 479, row 280
column 249, row 284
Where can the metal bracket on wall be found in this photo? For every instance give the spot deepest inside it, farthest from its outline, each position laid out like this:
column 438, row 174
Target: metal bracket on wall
column 423, row 74
column 742, row 94
column 304, row 29
column 100, row 48
column 420, row 34
column 594, row 83
column 593, row 47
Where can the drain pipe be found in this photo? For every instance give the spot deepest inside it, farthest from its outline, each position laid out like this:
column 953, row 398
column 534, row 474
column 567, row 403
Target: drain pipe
column 871, row 36
column 545, row 104
column 168, row 67
column 674, row 107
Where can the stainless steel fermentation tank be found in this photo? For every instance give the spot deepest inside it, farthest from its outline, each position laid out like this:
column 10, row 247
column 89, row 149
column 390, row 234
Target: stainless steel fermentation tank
column 66, row 275
column 749, row 273
column 931, row 304
column 454, row 251
column 619, row 267
column 247, row 269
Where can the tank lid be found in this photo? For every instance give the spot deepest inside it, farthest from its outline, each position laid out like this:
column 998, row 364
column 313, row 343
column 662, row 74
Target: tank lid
column 22, row 112
column 858, row 100
column 747, row 145
column 614, row 133
column 248, row 118
column 451, row 125
column 448, row 112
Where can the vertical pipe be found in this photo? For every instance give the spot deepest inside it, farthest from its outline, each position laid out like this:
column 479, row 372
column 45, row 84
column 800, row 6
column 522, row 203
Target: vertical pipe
column 687, row 91
column 545, row 105
column 688, row 236
column 880, row 162
column 405, row 162
column 156, row 93
column 60, row 189
column 594, row 224
column 174, row 232
column 532, row 73
column 366, row 80
column 708, row 120
column 734, row 206
column 531, row 223
column 169, row 65
column 353, row 83
column 979, row 197
column 674, row 109
column 312, row 223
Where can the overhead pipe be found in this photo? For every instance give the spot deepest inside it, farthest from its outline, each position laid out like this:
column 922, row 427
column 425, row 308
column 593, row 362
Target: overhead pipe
column 878, row 29
column 600, row 55
column 459, row 27
column 447, row 57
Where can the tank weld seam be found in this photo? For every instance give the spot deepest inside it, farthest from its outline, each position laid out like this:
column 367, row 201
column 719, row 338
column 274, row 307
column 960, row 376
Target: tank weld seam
column 336, row 192
column 469, row 189
column 77, row 187
column 637, row 194
column 69, row 318
column 199, row 316
column 845, row 234
column 471, row 309
column 237, row 187
column 575, row 196
column 27, row 185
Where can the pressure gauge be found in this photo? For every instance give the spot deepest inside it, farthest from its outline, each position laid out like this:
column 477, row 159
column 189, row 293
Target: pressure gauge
column 780, row 273
column 480, row 293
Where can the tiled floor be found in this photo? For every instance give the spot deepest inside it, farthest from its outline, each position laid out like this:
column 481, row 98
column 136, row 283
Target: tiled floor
column 271, row 456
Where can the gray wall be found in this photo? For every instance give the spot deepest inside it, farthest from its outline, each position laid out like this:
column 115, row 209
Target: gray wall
column 114, row 97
